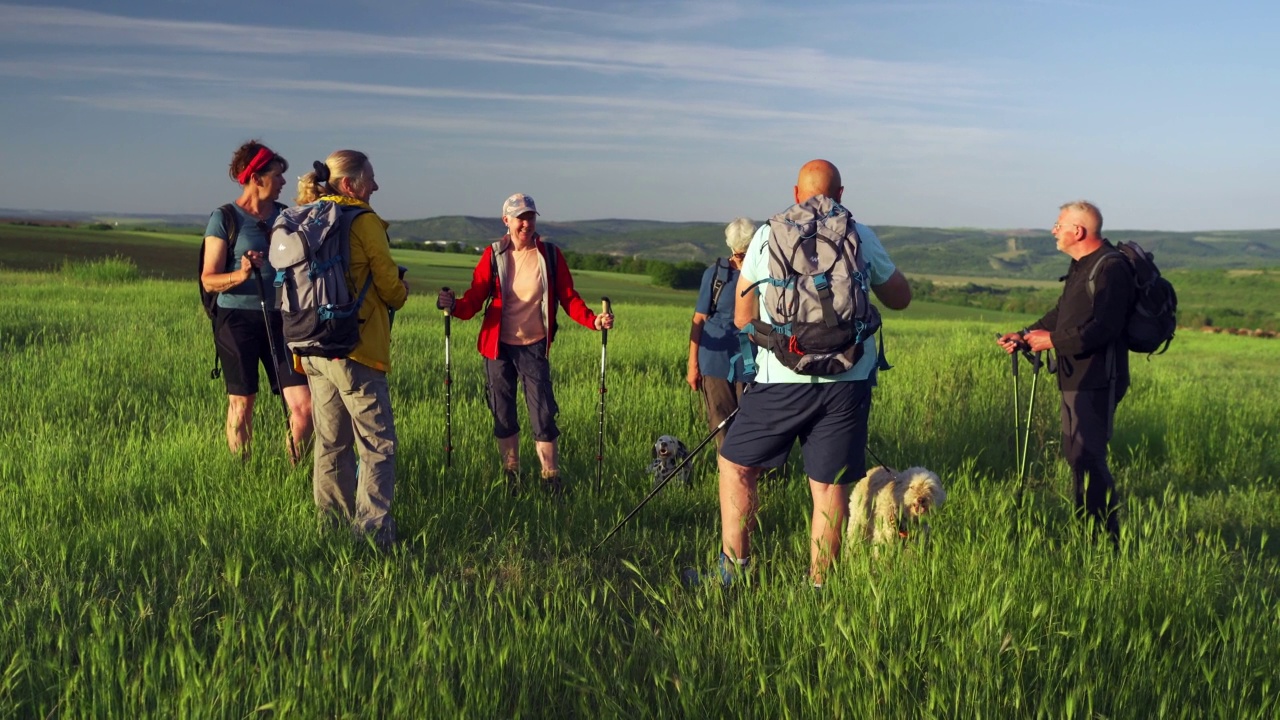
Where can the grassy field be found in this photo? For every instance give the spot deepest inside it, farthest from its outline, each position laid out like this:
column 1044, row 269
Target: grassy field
column 143, row 572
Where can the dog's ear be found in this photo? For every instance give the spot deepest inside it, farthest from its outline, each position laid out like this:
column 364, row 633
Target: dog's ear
column 680, row 446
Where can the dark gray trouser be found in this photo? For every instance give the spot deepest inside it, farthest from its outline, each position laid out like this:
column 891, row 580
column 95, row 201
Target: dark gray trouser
column 351, row 408
column 529, row 363
column 1086, row 429
column 720, row 398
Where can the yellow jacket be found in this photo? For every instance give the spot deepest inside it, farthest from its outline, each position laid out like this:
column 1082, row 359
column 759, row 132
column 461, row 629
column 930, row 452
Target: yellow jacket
column 371, row 252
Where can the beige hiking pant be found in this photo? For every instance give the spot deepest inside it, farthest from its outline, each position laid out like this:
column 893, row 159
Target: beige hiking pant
column 351, row 408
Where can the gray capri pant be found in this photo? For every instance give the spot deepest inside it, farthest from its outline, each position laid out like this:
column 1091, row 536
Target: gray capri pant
column 529, row 363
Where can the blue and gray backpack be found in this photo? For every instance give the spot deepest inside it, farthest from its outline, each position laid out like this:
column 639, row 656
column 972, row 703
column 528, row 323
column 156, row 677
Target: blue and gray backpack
column 817, row 292
column 311, row 252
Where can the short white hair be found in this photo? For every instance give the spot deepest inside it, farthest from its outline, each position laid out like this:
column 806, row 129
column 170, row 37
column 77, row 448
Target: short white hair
column 737, row 234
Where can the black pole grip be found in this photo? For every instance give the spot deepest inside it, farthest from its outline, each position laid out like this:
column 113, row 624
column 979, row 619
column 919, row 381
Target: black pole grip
column 606, row 308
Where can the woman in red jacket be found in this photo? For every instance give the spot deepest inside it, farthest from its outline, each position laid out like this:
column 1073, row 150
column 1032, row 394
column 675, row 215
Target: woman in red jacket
column 524, row 281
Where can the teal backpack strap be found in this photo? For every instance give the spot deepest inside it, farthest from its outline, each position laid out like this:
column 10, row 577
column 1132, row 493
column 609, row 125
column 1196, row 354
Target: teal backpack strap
column 749, row 366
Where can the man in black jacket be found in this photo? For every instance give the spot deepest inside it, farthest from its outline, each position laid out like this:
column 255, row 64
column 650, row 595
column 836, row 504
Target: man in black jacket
column 1086, row 331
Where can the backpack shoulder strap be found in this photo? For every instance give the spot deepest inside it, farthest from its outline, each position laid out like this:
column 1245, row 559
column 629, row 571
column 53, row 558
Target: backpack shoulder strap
column 553, row 255
column 230, row 221
column 552, row 259
column 718, row 282
column 346, row 216
column 497, row 270
column 1093, row 273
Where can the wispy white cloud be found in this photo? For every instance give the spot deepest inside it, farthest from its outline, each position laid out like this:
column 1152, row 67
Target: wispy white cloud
column 783, row 67
column 669, row 109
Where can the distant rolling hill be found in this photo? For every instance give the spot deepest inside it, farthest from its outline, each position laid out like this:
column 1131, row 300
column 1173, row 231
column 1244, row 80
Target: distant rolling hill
column 973, row 252
column 970, row 252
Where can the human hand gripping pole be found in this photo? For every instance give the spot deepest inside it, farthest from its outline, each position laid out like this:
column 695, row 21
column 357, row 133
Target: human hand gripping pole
column 605, row 309
column 447, row 309
column 275, row 361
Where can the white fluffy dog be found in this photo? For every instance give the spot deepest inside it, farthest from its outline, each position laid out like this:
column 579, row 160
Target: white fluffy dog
column 667, row 454
column 886, row 505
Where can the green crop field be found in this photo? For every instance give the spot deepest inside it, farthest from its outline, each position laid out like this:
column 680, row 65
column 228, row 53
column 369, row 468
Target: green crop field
column 144, row 572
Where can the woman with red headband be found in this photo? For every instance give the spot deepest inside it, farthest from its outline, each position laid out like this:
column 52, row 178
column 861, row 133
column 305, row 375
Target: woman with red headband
column 235, row 248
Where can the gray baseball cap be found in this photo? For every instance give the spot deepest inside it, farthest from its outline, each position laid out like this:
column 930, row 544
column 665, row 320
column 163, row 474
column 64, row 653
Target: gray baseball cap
column 517, row 205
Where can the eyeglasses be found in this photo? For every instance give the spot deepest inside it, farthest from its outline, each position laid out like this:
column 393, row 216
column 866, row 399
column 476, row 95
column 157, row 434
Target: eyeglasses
column 1057, row 226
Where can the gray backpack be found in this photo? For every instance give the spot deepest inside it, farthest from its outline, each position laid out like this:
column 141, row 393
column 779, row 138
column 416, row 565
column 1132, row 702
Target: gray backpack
column 817, row 292
column 311, row 251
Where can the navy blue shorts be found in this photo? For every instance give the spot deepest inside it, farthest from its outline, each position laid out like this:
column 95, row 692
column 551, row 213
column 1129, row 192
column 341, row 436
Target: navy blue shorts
column 529, row 364
column 241, row 339
column 829, row 420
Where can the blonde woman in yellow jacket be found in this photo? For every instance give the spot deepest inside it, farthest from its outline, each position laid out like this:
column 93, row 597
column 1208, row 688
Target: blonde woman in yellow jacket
column 349, row 399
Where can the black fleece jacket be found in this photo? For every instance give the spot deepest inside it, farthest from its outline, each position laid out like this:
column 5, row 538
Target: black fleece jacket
column 1085, row 327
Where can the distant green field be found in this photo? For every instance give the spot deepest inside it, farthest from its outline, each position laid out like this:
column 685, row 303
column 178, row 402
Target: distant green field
column 1224, row 298
column 166, row 255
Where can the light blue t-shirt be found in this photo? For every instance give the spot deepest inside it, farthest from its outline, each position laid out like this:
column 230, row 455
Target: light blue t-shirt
column 253, row 235
column 755, row 267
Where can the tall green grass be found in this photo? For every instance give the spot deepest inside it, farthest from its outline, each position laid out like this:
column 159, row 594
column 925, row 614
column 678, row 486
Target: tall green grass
column 143, row 571
column 114, row 269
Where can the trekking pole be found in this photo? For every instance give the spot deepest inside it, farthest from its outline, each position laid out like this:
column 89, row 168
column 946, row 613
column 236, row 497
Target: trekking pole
column 1017, row 414
column 448, row 386
column 605, row 309
column 1017, row 411
column 275, row 360
column 670, row 474
column 1031, row 404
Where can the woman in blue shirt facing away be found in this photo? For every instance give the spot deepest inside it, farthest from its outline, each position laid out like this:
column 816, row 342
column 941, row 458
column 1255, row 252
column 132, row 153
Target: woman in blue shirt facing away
column 715, row 362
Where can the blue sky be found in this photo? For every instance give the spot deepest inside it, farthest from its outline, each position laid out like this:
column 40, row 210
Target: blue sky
column 947, row 114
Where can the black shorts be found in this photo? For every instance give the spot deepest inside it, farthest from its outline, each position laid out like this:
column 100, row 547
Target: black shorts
column 829, row 420
column 242, row 344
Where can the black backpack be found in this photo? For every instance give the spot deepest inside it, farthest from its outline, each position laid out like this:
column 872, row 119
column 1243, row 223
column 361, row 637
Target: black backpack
column 230, row 220
column 1153, row 315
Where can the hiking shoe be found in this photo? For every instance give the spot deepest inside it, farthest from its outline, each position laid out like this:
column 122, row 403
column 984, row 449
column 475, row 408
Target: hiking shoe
column 727, row 574
column 553, row 483
column 513, row 480
column 385, row 537
column 732, row 572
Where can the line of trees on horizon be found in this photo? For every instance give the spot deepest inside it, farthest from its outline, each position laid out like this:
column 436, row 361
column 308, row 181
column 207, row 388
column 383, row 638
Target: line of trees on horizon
column 678, row 276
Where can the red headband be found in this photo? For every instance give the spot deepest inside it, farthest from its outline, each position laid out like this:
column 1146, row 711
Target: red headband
column 258, row 162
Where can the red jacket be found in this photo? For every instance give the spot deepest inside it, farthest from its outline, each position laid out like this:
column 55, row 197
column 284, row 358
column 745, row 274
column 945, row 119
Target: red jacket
column 484, row 288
